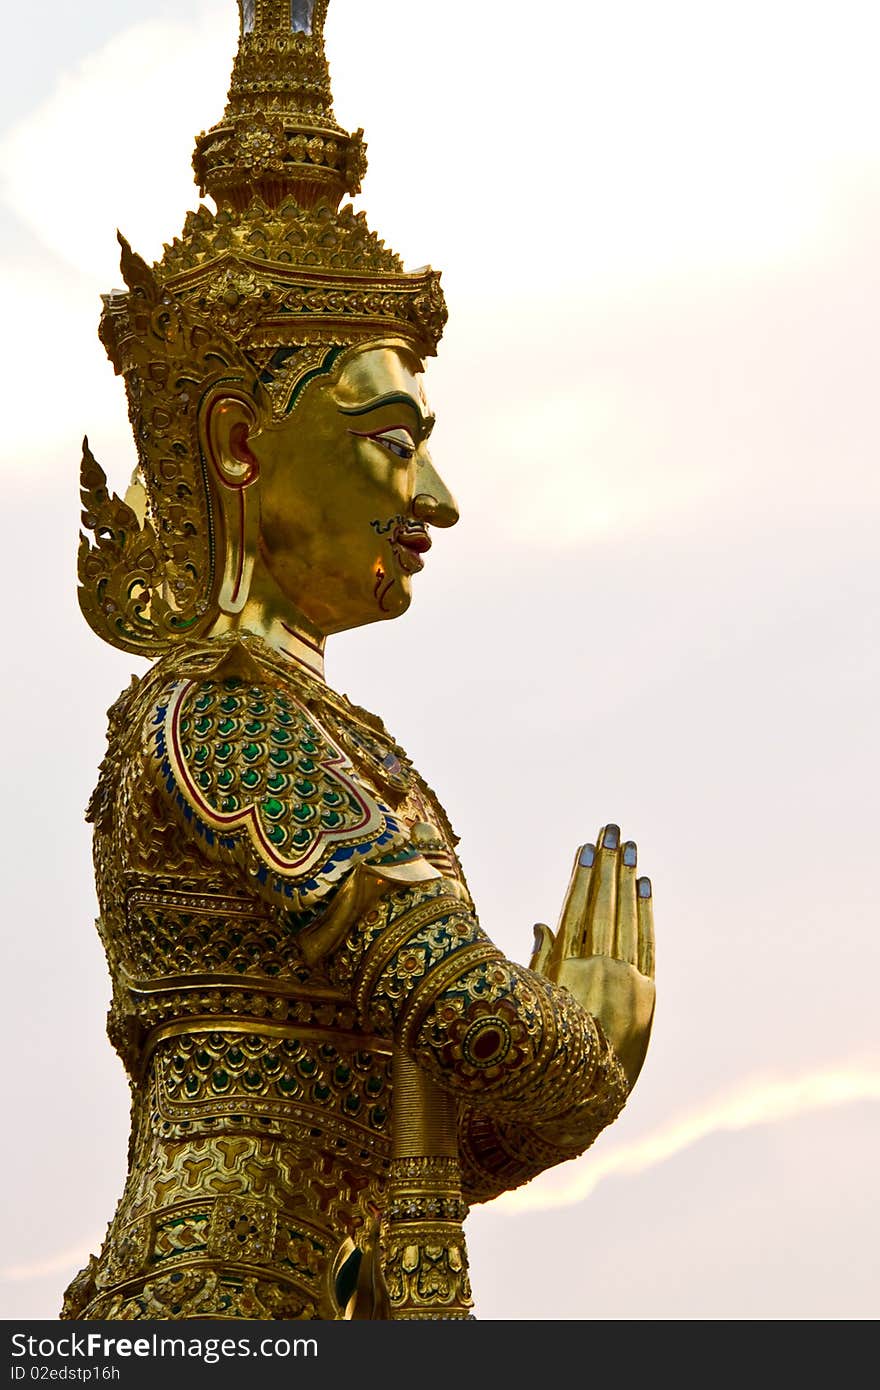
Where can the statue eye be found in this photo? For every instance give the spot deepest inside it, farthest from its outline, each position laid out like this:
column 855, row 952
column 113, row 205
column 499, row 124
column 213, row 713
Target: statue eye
column 397, row 441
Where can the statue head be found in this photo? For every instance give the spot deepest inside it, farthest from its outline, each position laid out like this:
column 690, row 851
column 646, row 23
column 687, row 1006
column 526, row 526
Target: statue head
column 273, row 364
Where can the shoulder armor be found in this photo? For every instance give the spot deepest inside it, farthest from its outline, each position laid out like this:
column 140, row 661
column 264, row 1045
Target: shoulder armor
column 257, row 777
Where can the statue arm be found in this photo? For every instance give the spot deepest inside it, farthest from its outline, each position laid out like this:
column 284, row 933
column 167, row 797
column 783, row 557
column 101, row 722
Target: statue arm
column 536, row 1073
column 603, row 953
column 498, row 1155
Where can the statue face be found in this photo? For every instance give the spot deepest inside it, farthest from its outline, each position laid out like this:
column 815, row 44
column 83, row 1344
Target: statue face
column 348, row 492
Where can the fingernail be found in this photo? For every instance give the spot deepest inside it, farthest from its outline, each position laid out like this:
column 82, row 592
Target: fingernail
column 586, row 856
column 612, row 836
column 643, row 885
column 630, row 854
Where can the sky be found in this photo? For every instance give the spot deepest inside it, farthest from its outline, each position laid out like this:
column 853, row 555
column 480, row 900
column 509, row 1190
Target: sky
column 657, row 227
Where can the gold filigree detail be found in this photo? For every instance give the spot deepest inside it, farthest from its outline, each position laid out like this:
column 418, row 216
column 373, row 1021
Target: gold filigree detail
column 147, row 586
column 278, row 133
column 121, row 574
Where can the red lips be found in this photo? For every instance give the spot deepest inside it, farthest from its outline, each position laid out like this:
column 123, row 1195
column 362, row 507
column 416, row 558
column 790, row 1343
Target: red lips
column 419, row 540
column 413, row 541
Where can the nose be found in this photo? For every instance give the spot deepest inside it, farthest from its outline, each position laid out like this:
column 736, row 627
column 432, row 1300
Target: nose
column 433, row 502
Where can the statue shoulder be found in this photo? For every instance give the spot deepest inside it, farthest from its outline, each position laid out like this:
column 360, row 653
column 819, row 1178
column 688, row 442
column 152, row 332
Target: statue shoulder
column 385, row 766
column 250, row 768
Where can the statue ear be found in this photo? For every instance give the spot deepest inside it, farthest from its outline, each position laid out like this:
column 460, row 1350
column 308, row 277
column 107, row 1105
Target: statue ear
column 228, row 422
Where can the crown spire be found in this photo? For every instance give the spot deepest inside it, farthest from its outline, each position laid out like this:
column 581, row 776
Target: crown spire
column 279, row 139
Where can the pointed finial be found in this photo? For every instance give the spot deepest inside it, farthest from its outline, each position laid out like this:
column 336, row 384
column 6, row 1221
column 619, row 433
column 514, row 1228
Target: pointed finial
column 135, row 271
column 278, row 139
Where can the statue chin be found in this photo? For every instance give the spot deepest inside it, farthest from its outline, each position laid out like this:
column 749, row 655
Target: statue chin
column 327, row 605
column 379, row 606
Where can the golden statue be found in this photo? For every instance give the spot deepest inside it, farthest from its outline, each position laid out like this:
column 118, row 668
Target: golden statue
column 329, row 1060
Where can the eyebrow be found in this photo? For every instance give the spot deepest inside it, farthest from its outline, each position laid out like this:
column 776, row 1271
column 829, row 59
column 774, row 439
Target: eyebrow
column 393, row 398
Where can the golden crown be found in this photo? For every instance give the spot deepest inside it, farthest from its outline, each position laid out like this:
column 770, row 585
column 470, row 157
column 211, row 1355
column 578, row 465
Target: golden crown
column 260, row 295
